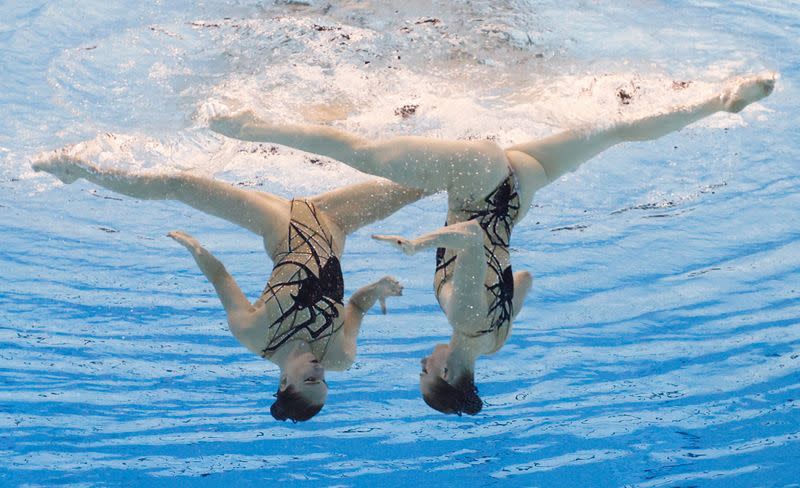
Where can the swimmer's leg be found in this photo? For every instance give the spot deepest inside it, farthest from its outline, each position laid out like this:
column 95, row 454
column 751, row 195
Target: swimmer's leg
column 463, row 298
column 354, row 206
column 564, row 152
column 473, row 167
column 262, row 213
column 241, row 314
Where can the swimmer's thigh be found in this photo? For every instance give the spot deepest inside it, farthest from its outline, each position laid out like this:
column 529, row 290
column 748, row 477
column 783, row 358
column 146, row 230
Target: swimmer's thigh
column 262, row 213
column 354, row 206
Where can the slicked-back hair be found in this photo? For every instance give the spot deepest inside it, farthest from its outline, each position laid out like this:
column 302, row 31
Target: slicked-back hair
column 291, row 405
column 458, row 397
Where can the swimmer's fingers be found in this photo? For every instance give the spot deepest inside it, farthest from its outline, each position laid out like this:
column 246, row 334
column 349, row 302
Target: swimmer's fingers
column 399, row 242
column 185, row 240
column 388, row 287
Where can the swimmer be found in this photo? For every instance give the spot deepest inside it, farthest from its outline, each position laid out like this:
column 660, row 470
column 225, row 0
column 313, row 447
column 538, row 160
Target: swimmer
column 489, row 189
column 300, row 322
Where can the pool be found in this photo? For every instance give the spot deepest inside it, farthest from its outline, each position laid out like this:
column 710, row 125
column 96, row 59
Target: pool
column 660, row 345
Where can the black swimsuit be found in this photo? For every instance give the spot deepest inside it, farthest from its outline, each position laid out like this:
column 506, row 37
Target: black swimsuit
column 496, row 215
column 306, row 285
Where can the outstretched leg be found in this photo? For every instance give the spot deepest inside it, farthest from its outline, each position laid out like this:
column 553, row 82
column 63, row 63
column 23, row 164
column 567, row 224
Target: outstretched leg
column 262, row 213
column 564, row 152
column 468, row 168
column 354, row 206
column 463, row 298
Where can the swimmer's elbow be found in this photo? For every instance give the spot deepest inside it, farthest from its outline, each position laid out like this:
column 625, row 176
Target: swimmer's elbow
column 243, row 327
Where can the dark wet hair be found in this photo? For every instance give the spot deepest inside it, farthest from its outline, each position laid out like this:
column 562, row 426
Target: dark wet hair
column 459, row 397
column 290, row 404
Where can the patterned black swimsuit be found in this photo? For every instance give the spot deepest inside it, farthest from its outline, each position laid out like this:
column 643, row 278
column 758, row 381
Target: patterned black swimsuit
column 306, row 285
column 497, row 217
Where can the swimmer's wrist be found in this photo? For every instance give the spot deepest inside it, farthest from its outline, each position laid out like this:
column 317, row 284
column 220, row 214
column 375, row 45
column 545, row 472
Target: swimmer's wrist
column 365, row 297
column 354, row 304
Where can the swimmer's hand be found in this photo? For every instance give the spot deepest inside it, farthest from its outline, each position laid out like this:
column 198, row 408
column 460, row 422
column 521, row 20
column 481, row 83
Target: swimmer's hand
column 60, row 164
column 387, row 287
column 746, row 90
column 399, row 242
column 187, row 241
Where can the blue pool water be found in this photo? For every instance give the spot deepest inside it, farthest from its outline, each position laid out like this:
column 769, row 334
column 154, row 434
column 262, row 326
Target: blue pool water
column 659, row 347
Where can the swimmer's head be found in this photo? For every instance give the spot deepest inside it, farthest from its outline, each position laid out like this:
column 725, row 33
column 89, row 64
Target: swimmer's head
column 446, row 390
column 303, row 390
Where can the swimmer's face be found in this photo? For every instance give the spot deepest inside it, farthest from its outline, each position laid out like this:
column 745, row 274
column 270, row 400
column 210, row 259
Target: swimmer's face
column 434, row 366
column 307, row 377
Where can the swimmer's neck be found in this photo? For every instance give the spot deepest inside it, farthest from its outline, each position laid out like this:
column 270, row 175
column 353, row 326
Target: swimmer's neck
column 288, row 351
column 464, row 351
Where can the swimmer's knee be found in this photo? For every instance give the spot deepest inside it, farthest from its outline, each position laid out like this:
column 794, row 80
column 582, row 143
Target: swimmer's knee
column 523, row 280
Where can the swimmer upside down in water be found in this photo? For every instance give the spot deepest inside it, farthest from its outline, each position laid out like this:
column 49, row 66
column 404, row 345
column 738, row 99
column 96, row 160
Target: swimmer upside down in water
column 489, row 189
column 300, row 322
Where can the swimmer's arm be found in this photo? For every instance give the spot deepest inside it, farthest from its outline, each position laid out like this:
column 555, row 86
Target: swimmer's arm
column 243, row 318
column 562, row 153
column 343, row 353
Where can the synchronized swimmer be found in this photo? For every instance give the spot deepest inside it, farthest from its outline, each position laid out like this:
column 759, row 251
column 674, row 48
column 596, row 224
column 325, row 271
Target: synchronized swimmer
column 489, row 190
column 300, row 322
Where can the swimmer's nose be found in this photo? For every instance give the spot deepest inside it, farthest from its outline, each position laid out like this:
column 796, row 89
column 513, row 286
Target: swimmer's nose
column 423, row 361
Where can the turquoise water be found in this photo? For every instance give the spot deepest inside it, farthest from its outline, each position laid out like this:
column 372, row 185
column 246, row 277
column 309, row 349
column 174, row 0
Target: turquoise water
column 660, row 345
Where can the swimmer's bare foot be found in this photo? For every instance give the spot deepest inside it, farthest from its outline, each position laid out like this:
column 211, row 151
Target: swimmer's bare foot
column 747, row 90
column 232, row 124
column 399, row 242
column 60, row 164
column 387, row 287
